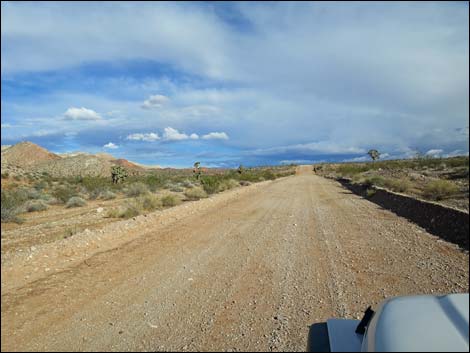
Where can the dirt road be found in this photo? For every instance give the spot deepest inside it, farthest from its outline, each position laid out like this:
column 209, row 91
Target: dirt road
column 247, row 270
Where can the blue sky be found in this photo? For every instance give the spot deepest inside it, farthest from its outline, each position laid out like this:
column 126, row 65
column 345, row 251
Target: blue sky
column 228, row 83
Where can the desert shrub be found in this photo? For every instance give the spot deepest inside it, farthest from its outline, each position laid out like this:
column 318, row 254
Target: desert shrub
column 35, row 205
column 399, row 185
column 187, row 184
column 137, row 189
column 439, row 189
column 154, row 182
column 17, row 177
column 174, row 187
column 210, row 183
column 376, row 180
column 27, row 193
column 53, row 201
column 244, row 183
column 148, row 202
column 11, row 202
column 132, row 209
column 63, row 193
column 94, row 184
column 107, row 195
column 352, row 169
column 268, row 175
column 357, row 179
column 195, row 193
column 227, row 184
column 170, row 200
column 5, row 175
column 113, row 212
column 41, row 185
column 75, row 201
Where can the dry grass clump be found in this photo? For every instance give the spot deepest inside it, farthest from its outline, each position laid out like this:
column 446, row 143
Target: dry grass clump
column 195, row 193
column 439, row 189
column 135, row 207
column 170, row 200
column 137, row 189
column 399, row 185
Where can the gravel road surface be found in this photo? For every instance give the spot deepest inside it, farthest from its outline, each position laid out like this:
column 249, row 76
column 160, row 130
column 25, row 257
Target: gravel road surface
column 247, row 270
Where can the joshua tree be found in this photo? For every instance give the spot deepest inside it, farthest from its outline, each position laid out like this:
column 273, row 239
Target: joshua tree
column 374, row 154
column 118, row 173
column 241, row 169
column 197, row 169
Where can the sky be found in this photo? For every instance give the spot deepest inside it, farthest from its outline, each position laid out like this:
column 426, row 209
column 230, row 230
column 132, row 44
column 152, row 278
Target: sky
column 231, row 83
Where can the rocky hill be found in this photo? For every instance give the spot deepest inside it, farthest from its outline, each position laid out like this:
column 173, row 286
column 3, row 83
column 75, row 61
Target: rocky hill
column 26, row 154
column 29, row 158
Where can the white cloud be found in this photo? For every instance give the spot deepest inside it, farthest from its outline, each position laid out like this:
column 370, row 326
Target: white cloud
column 149, row 137
column 6, row 126
column 171, row 134
column 417, row 75
column 434, row 152
column 194, row 136
column 155, row 101
column 81, row 114
column 215, row 136
column 111, row 145
column 357, row 159
column 322, row 147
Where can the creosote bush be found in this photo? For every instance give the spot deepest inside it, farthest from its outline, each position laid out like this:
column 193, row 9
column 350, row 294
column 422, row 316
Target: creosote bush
column 35, row 205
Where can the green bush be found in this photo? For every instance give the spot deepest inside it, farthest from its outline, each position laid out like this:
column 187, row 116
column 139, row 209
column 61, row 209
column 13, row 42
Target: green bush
column 92, row 183
column 375, row 180
column 75, row 201
column 63, row 193
column 439, row 189
column 154, row 182
column 11, row 202
column 210, row 183
column 195, row 193
column 137, row 189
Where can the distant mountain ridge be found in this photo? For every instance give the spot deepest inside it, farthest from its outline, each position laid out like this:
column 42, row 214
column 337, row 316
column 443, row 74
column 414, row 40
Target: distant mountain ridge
column 27, row 157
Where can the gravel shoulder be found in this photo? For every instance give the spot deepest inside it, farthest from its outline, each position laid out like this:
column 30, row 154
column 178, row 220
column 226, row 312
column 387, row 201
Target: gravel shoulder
column 248, row 269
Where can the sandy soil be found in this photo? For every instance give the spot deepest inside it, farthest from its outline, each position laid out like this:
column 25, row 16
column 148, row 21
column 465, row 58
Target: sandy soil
column 248, row 269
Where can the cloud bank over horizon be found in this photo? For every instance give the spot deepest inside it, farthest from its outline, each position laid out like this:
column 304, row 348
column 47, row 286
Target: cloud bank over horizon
column 231, row 83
